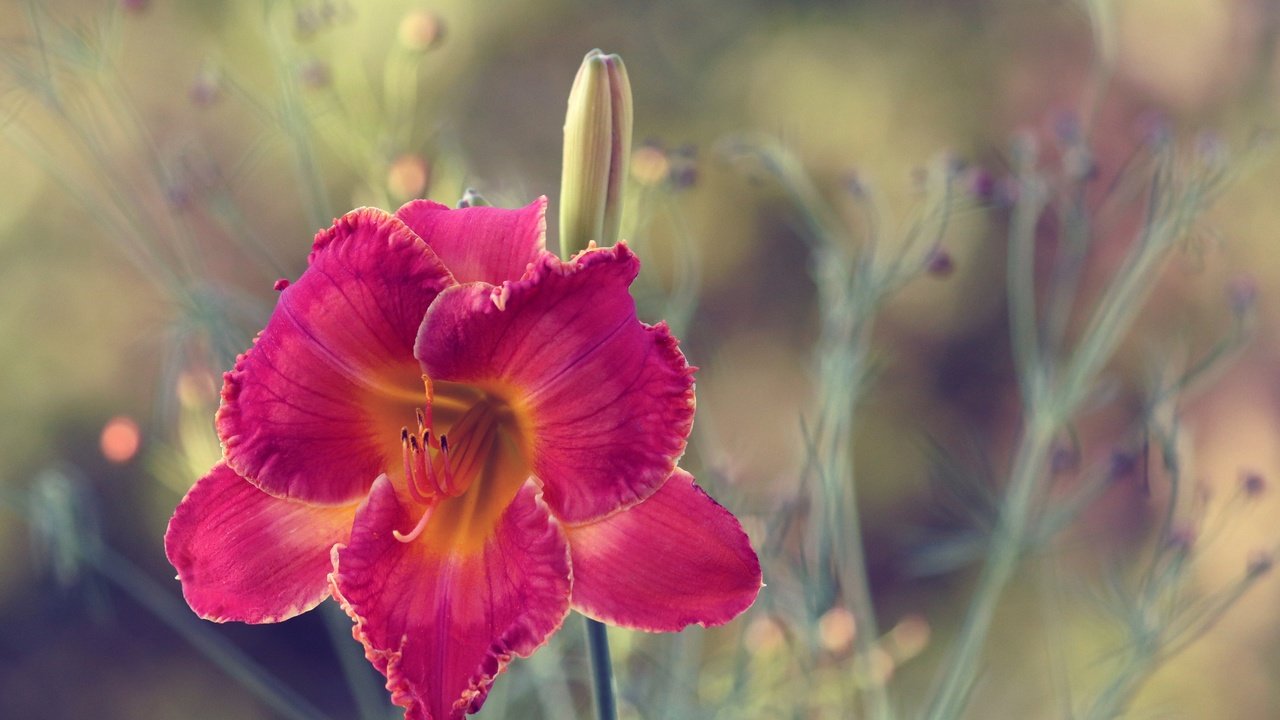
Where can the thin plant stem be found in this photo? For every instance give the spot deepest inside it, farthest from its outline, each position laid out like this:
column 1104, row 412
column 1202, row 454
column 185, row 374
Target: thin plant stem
column 601, row 670
column 1006, row 549
column 364, row 688
column 848, row 289
column 1123, row 686
column 133, row 582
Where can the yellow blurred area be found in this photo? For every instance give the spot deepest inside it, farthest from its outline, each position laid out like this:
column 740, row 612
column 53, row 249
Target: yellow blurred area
column 193, row 150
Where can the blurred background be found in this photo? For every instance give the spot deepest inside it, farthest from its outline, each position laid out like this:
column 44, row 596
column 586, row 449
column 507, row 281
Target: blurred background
column 166, row 160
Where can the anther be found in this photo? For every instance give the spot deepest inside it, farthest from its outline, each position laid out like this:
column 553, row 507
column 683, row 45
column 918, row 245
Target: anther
column 409, row 451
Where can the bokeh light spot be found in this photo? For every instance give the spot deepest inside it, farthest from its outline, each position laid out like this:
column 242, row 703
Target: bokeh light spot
column 120, row 439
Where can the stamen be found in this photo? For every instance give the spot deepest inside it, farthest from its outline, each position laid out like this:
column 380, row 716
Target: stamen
column 428, row 465
column 417, row 529
column 413, row 468
column 446, row 474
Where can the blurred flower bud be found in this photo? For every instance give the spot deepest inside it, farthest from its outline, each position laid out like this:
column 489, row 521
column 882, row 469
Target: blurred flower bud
column 1252, row 483
column 1123, row 464
column 472, row 198
column 1182, row 537
column 315, row 74
column 940, row 263
column 1064, row 459
column 206, row 89
column 1242, row 294
column 981, row 184
column 1260, row 563
column 420, row 31
column 597, row 148
column 1007, row 193
column 853, row 184
column 407, row 177
column 1066, row 127
column 134, row 6
column 684, row 167
column 1154, row 129
column 307, row 22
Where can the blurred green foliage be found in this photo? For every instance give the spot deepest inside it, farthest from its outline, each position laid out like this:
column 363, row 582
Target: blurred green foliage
column 166, row 161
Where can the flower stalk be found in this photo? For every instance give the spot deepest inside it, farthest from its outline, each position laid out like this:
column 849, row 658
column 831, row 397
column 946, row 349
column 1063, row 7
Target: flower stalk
column 601, row 670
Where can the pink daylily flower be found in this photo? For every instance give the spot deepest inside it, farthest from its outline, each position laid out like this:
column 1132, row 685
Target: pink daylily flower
column 460, row 437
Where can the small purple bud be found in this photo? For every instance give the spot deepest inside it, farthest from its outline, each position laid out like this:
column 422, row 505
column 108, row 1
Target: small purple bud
column 1154, row 128
column 1064, row 459
column 853, row 184
column 981, row 184
column 1007, row 192
column 1260, row 563
column 314, row 74
column 205, row 90
column 307, row 22
column 134, row 6
column 919, row 177
column 940, row 263
column 683, row 173
column 178, row 196
column 1252, row 483
column 1066, row 126
column 1242, row 294
column 1182, row 537
column 1123, row 464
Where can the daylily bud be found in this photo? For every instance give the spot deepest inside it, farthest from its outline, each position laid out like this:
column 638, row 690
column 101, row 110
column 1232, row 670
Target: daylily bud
column 597, row 147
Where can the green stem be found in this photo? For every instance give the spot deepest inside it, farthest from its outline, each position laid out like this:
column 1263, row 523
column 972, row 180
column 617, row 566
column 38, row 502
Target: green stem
column 1123, row 687
column 1006, row 549
column 601, row 670
column 369, row 698
column 127, row 577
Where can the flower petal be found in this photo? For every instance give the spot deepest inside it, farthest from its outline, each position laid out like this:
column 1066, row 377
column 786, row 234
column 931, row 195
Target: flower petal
column 244, row 555
column 440, row 623
column 313, row 410
column 674, row 560
column 606, row 401
column 486, row 244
